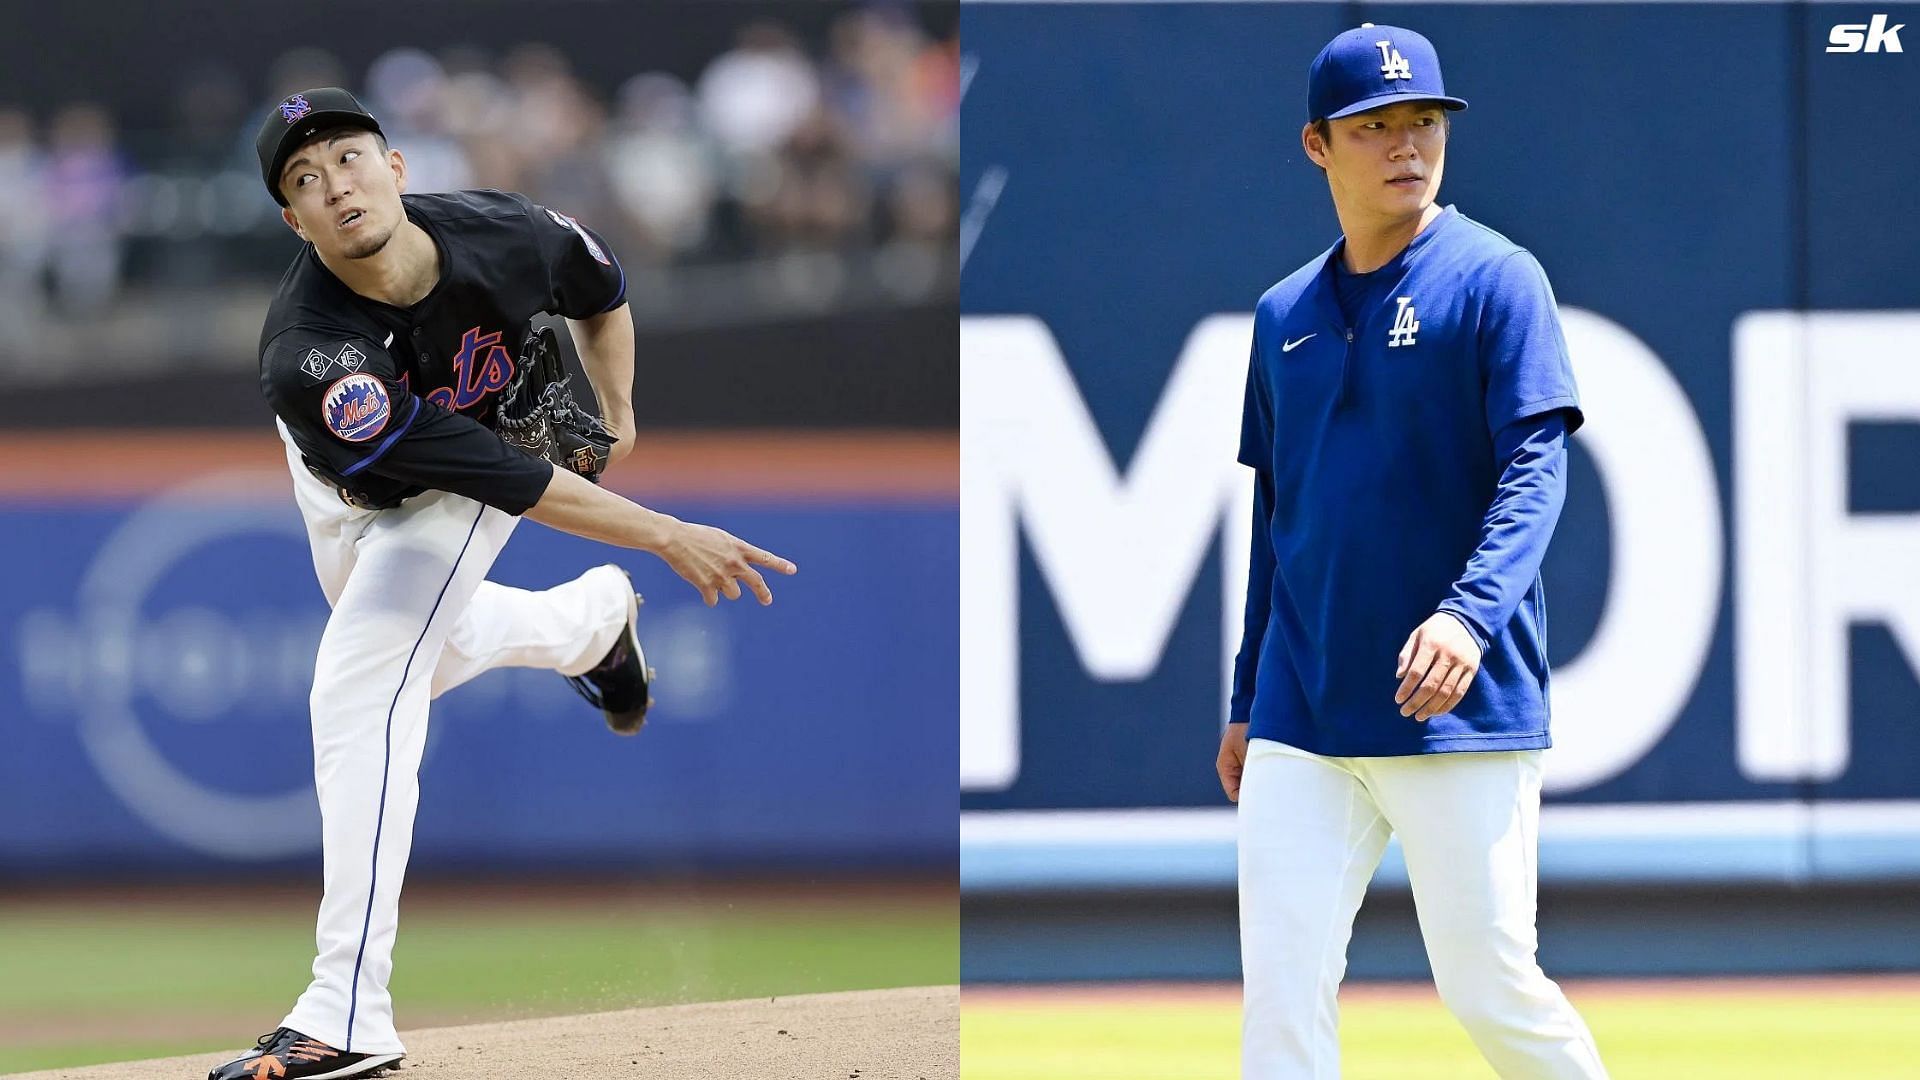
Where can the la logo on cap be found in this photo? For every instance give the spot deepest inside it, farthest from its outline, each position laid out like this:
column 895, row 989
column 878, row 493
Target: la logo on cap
column 1392, row 64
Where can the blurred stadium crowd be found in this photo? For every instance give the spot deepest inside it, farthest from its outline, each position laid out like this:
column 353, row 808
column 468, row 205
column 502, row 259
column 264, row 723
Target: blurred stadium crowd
column 787, row 175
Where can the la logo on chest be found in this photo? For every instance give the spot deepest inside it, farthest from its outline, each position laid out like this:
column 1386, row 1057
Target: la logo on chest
column 1405, row 324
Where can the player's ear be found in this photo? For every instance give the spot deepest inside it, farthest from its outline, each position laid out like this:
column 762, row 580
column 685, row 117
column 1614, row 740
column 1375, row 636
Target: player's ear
column 398, row 163
column 286, row 215
column 1310, row 142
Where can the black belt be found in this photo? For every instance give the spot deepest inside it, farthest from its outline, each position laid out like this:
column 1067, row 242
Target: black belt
column 357, row 501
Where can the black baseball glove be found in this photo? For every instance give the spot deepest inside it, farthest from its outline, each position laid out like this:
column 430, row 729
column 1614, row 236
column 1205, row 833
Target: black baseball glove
column 537, row 412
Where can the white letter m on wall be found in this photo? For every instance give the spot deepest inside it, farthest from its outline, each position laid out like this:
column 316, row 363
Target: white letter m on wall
column 1119, row 552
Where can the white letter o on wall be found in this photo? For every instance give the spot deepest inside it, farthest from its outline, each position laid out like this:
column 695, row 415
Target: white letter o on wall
column 1621, row 694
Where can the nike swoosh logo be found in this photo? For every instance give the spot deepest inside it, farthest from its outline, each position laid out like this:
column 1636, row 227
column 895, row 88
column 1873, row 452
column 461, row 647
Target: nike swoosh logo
column 1291, row 345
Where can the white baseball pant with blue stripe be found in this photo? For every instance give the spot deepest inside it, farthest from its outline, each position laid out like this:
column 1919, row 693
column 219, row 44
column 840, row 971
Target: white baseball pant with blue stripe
column 1312, row 831
column 413, row 617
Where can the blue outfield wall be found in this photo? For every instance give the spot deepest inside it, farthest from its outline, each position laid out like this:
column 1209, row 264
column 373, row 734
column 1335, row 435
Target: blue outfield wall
column 1728, row 217
column 156, row 658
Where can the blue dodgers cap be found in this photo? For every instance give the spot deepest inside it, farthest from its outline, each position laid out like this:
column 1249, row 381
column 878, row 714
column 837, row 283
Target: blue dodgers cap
column 1370, row 66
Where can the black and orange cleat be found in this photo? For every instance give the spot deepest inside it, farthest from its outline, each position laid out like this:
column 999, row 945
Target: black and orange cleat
column 620, row 684
column 285, row 1054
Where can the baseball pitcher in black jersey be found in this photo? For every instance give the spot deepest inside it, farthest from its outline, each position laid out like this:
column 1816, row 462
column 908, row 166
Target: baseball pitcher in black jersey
column 385, row 354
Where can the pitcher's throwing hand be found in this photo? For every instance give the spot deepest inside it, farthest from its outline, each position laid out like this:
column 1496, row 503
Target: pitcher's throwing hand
column 715, row 561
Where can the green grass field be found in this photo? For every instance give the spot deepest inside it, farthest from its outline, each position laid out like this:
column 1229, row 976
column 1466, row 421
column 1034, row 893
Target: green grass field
column 1815, row 1032
column 92, row 983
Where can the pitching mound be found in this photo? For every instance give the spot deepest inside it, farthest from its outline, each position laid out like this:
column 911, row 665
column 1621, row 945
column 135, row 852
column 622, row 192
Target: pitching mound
column 911, row 1034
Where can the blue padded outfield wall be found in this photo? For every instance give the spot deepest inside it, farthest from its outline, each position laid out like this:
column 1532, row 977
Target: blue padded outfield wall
column 1728, row 215
column 158, row 655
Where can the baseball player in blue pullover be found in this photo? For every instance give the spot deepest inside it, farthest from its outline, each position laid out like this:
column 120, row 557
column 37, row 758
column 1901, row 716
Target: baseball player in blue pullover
column 1409, row 401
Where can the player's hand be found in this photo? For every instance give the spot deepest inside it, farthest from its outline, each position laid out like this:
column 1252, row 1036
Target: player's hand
column 715, row 562
column 1437, row 664
column 1232, row 759
column 622, row 427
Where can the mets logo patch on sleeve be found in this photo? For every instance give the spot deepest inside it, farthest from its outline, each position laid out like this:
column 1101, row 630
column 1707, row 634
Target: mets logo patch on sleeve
column 593, row 248
column 356, row 408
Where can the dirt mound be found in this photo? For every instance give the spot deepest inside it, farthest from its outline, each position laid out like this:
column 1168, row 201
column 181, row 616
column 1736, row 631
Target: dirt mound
column 911, row 1034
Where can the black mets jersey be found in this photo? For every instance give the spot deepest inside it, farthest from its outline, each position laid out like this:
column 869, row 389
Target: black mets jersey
column 387, row 402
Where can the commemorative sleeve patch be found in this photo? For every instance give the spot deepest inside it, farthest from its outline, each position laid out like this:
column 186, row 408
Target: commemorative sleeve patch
column 593, row 247
column 356, row 408
column 322, row 360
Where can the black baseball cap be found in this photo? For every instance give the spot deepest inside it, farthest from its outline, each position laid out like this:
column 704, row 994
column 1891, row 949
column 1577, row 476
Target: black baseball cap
column 299, row 118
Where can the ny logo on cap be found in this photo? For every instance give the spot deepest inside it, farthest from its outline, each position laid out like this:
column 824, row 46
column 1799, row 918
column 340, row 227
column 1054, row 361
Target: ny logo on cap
column 295, row 107
column 1392, row 64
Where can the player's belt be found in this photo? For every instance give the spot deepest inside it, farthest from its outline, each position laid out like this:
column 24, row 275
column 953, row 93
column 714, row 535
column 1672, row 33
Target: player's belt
column 358, row 502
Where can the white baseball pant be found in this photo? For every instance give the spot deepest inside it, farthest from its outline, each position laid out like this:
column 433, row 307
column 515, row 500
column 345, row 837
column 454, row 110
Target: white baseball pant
column 1312, row 830
column 413, row 617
